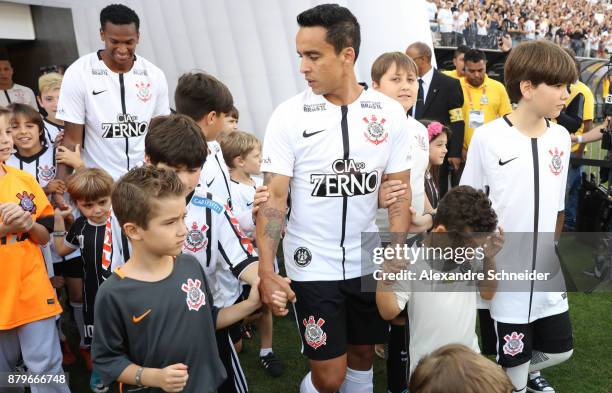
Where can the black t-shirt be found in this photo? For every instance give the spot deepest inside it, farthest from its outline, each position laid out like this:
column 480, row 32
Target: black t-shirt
column 157, row 324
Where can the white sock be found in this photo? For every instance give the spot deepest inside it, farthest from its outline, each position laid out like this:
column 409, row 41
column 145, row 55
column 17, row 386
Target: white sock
column 264, row 351
column 534, row 374
column 307, row 386
column 542, row 360
column 77, row 309
column 358, row 381
column 518, row 377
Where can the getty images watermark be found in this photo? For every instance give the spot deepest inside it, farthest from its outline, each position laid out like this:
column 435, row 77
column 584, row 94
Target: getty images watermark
column 525, row 262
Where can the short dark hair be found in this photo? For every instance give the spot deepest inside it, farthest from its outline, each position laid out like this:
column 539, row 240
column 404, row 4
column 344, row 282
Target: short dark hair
column 537, row 61
column 118, row 14
column 422, row 48
column 234, row 113
column 175, row 140
column 199, row 93
column 464, row 208
column 461, row 49
column 343, row 30
column 136, row 192
column 475, row 56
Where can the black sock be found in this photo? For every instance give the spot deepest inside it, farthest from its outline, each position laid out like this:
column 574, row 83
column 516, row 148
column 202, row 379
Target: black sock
column 397, row 360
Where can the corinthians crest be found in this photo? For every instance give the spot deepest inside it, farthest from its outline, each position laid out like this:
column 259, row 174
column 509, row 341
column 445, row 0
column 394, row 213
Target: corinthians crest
column 375, row 133
column 195, row 297
column 46, row 172
column 556, row 165
column 196, row 240
column 26, row 201
column 314, row 335
column 514, row 343
column 144, row 91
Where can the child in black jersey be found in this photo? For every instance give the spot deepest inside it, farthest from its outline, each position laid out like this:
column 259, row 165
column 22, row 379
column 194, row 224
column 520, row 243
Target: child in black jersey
column 91, row 189
column 155, row 315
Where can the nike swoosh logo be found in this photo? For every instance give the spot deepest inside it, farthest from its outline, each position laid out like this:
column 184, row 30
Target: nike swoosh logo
column 308, row 135
column 211, row 182
column 95, row 93
column 505, row 162
column 249, row 204
column 140, row 318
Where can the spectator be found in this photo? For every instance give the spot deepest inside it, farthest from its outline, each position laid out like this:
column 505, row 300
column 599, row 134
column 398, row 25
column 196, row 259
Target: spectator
column 12, row 92
column 445, row 20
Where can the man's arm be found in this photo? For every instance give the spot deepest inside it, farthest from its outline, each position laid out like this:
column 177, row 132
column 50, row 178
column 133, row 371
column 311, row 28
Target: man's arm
column 73, row 135
column 269, row 227
column 399, row 211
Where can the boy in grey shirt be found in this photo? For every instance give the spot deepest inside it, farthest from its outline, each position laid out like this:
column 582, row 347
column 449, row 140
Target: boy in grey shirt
column 155, row 313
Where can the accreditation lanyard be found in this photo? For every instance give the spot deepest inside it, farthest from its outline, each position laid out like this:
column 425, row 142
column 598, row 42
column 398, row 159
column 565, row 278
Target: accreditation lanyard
column 476, row 117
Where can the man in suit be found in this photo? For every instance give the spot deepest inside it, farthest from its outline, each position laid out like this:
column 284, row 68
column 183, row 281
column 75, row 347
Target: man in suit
column 439, row 98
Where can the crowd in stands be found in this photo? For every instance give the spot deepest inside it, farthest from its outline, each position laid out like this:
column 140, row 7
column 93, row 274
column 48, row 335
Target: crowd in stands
column 582, row 25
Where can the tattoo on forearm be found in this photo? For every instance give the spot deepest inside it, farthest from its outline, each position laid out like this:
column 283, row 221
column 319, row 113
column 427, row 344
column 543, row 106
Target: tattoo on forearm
column 276, row 219
column 268, row 176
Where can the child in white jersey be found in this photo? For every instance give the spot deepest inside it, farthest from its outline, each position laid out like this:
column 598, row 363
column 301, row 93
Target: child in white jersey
column 242, row 153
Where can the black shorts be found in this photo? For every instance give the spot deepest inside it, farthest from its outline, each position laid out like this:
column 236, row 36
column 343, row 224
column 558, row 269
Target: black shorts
column 72, row 268
column 515, row 342
column 333, row 314
column 488, row 338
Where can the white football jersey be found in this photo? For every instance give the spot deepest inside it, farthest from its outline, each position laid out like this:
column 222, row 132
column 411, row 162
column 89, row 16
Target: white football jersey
column 336, row 157
column 114, row 107
column 242, row 200
column 215, row 177
column 215, row 239
column 52, row 130
column 525, row 179
column 18, row 94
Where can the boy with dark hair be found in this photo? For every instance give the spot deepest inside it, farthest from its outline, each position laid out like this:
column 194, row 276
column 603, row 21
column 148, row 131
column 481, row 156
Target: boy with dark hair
column 227, row 256
column 207, row 101
column 529, row 152
column 231, row 120
column 464, row 218
column 156, row 313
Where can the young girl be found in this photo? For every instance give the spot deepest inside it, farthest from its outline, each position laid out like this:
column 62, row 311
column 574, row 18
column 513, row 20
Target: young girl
column 35, row 156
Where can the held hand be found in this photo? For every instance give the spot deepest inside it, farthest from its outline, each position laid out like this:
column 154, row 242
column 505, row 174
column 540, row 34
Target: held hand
column 254, row 299
column 9, row 212
column 58, row 139
column 173, row 378
column 55, row 186
column 63, row 212
column 389, row 191
column 261, row 196
column 270, row 284
column 455, row 162
column 494, row 243
column 68, row 157
column 59, row 201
